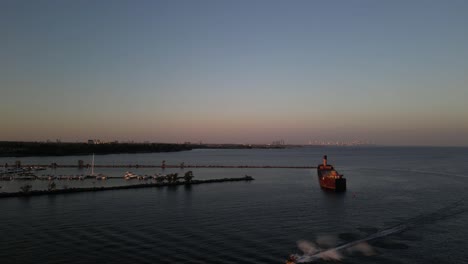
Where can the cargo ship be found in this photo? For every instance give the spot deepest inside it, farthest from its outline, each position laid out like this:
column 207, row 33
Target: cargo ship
column 329, row 178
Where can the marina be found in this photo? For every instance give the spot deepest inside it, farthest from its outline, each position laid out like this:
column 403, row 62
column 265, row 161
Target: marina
column 29, row 172
column 55, row 165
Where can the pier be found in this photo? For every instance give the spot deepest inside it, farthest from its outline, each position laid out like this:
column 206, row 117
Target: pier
column 28, row 193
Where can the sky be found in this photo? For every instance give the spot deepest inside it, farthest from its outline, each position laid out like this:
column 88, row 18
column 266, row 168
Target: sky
column 247, row 71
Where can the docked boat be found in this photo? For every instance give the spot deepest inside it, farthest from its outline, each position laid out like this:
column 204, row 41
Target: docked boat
column 101, row 177
column 329, row 178
column 130, row 175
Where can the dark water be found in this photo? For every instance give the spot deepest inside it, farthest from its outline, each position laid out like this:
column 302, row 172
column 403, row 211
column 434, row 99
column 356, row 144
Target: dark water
column 251, row 222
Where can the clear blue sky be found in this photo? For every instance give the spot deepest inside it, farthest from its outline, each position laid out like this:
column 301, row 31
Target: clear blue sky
column 392, row 72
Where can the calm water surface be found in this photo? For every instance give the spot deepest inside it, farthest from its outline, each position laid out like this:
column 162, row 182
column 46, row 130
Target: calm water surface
column 248, row 222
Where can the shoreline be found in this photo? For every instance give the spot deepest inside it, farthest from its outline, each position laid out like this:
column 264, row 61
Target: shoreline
column 40, row 149
column 135, row 186
column 20, row 149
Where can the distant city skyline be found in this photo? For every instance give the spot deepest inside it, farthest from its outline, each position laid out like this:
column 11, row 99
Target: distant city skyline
column 387, row 72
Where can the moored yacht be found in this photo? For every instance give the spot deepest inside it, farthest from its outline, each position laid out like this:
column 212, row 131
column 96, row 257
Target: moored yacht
column 130, row 175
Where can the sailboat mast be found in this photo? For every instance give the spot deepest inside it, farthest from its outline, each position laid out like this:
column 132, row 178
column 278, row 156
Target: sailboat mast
column 92, row 166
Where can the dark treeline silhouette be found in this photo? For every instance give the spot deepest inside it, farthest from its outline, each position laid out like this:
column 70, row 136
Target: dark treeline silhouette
column 22, row 149
column 238, row 146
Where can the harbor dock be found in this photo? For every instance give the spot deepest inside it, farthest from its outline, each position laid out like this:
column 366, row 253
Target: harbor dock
column 165, row 166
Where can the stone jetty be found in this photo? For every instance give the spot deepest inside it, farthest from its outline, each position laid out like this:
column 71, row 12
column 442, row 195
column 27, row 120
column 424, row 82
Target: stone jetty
column 30, row 193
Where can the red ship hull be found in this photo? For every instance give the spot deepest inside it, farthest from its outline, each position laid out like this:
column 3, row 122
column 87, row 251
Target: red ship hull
column 329, row 179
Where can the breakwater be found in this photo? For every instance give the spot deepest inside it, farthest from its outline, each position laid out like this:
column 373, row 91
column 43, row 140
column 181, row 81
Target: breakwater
column 134, row 186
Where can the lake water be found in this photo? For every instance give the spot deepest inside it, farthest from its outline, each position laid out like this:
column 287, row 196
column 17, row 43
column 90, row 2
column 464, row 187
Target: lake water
column 249, row 222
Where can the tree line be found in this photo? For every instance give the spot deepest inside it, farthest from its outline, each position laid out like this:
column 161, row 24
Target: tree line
column 22, row 149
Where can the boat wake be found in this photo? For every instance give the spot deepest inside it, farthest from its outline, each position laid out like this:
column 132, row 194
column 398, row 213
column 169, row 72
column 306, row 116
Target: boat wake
column 335, row 253
column 312, row 251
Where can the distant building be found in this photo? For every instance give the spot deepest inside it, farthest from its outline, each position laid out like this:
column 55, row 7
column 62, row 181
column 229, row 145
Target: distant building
column 278, row 143
column 94, row 141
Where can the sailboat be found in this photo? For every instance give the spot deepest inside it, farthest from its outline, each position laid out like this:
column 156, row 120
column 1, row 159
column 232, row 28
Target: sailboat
column 97, row 177
column 92, row 169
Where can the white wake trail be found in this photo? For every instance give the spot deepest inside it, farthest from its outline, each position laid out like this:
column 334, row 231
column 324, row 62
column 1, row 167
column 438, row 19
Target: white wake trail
column 448, row 211
column 333, row 253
